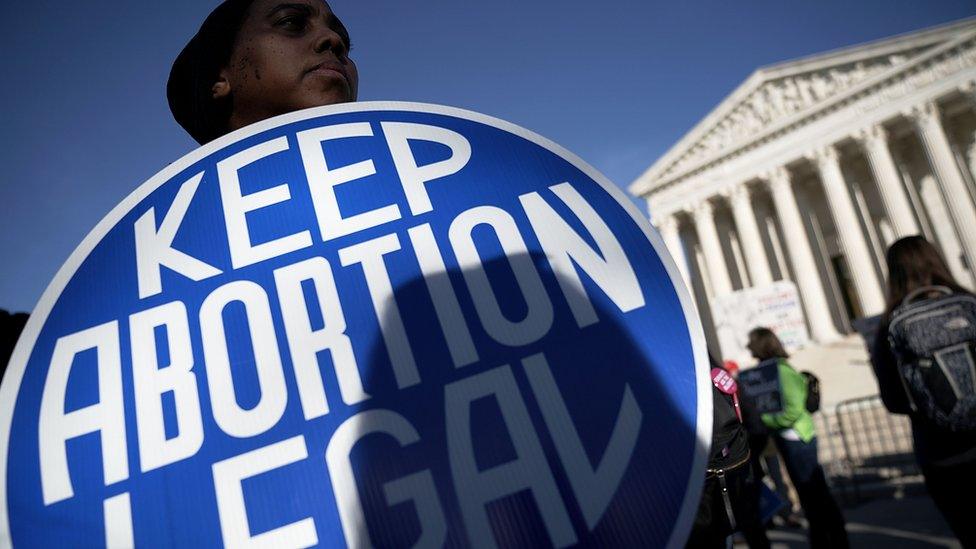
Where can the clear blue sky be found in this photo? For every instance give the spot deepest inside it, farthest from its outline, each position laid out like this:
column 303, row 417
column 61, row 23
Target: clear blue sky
column 84, row 116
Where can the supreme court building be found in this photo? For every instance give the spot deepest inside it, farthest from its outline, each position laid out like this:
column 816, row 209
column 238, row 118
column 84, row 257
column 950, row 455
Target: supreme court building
column 812, row 167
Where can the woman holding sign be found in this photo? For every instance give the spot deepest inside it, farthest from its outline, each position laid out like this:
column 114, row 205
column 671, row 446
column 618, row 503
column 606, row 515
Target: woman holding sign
column 357, row 375
column 794, row 435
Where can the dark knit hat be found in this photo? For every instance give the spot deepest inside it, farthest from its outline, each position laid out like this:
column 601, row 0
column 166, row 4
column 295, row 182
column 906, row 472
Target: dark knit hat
column 190, row 86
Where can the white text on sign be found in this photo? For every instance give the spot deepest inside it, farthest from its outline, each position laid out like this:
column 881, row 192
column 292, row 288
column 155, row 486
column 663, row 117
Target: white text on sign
column 597, row 254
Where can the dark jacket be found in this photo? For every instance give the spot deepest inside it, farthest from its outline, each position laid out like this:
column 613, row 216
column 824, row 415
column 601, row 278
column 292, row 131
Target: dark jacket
column 730, row 442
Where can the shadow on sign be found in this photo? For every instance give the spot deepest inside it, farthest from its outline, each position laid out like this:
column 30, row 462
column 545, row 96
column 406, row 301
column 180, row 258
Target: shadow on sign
column 561, row 436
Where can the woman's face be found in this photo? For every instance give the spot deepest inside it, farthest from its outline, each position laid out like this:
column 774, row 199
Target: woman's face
column 289, row 55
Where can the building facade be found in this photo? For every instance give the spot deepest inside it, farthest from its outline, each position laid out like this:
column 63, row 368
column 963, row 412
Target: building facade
column 811, row 168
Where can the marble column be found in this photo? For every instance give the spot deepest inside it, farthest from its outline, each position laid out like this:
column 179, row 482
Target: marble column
column 801, row 257
column 969, row 90
column 875, row 143
column 943, row 162
column 935, row 204
column 971, row 157
column 752, row 245
column 718, row 272
column 852, row 240
column 672, row 239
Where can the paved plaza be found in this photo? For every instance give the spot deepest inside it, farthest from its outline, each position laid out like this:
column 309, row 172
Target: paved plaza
column 911, row 522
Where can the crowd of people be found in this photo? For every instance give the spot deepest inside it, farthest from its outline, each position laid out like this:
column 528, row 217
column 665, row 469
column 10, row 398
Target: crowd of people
column 248, row 63
column 772, row 408
column 923, row 357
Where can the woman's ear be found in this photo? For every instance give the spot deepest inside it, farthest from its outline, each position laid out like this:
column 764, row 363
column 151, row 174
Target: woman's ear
column 221, row 87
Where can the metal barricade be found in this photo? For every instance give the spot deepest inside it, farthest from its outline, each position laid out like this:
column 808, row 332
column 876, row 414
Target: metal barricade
column 866, row 451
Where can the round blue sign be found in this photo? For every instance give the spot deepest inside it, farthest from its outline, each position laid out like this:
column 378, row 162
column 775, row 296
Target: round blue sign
column 383, row 324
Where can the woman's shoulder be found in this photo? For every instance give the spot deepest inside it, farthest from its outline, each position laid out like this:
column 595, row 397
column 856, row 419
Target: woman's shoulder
column 787, row 368
column 784, row 362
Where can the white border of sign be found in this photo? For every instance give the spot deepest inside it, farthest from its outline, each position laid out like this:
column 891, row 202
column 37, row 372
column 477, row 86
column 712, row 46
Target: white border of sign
column 18, row 360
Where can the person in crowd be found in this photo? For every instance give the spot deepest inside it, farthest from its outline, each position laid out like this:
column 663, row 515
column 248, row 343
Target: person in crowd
column 255, row 59
column 791, row 427
column 946, row 457
column 764, row 456
column 730, row 497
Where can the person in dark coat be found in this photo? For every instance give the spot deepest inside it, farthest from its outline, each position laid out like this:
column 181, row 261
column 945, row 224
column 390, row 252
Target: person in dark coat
column 947, row 459
column 730, row 497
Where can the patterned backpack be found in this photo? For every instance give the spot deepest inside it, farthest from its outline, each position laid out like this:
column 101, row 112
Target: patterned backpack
column 934, row 340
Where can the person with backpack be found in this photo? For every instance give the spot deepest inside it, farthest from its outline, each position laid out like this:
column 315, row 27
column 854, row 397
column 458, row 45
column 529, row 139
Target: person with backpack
column 923, row 357
column 780, row 394
column 764, row 455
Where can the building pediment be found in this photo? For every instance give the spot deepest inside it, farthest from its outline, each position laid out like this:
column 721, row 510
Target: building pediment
column 776, row 94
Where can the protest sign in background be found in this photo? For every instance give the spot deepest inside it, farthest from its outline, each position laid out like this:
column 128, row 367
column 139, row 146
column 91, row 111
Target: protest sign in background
column 375, row 323
column 775, row 306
